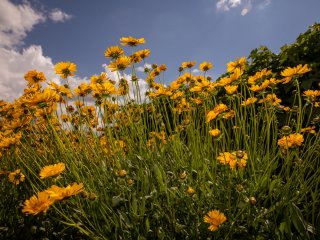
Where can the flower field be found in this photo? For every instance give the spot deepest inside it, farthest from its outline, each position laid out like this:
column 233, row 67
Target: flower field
column 195, row 158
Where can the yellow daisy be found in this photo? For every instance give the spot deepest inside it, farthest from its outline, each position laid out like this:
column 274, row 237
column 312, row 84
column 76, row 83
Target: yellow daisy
column 131, row 41
column 52, row 170
column 16, row 177
column 65, row 69
column 215, row 219
column 37, row 203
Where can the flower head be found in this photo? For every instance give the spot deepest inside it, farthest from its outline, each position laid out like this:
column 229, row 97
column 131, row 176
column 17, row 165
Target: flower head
column 231, row 89
column 143, row 53
column 190, row 191
column 205, row 66
column 65, row 69
column 215, row 219
column 131, row 41
column 59, row 193
column 120, row 64
column 290, row 72
column 291, row 141
column 249, row 101
column 215, row 132
column 187, row 64
column 239, row 63
column 52, row 170
column 16, row 177
column 37, row 203
column 216, row 111
column 113, row 52
column 33, row 77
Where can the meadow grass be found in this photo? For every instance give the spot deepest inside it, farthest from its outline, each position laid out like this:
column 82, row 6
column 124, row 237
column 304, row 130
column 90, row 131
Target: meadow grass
column 151, row 167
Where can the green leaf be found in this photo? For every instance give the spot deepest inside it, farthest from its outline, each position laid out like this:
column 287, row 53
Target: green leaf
column 297, row 219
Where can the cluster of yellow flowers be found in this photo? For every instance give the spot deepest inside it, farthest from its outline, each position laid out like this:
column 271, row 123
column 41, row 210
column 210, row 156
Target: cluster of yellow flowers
column 291, row 141
column 38, row 107
column 233, row 159
column 43, row 200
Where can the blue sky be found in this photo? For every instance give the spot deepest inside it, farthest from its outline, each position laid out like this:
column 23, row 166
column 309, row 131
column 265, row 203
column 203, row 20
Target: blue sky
column 175, row 31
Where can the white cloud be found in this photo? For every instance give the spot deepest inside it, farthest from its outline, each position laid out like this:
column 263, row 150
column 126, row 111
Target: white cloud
column 141, row 68
column 57, row 15
column 247, row 8
column 247, row 5
column 225, row 5
column 14, row 65
column 16, row 21
column 195, row 70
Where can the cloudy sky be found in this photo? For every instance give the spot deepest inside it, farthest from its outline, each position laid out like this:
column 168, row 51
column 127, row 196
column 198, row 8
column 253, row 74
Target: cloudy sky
column 36, row 34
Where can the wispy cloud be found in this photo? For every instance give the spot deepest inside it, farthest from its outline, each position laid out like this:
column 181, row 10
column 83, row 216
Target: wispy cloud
column 141, row 69
column 247, row 8
column 246, row 5
column 264, row 4
column 225, row 5
column 57, row 15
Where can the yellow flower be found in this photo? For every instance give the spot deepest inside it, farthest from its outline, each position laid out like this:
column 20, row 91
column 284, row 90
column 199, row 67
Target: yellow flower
column 231, row 89
column 52, row 170
column 272, row 99
column 143, row 53
column 311, row 95
column 291, row 141
column 191, row 191
column 58, row 193
column 187, row 64
column 309, row 130
column 215, row 219
column 105, row 88
column 113, row 52
column 120, row 64
column 44, row 98
column 65, row 69
column 205, row 66
column 229, row 114
column 227, row 158
column 99, row 78
column 295, row 71
column 224, row 81
column 37, row 203
column 216, row 111
column 131, row 41
column 215, row 132
column 122, row 173
column 249, row 101
column 238, row 64
column 135, row 58
column 33, row 77
column 211, row 115
column 82, row 90
column 242, row 158
column 16, row 177
column 259, row 76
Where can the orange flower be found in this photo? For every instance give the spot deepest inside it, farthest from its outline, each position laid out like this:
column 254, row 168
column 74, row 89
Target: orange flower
column 291, row 141
column 52, row 170
column 131, row 41
column 37, row 203
column 215, row 219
